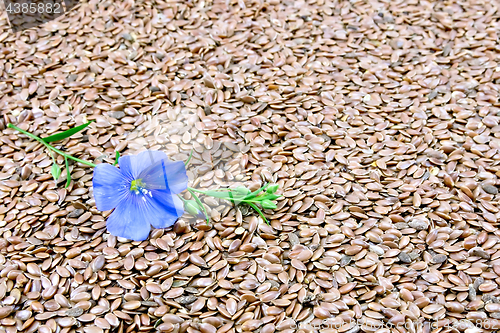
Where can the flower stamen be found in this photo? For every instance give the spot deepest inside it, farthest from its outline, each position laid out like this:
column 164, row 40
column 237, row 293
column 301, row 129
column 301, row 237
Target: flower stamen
column 138, row 185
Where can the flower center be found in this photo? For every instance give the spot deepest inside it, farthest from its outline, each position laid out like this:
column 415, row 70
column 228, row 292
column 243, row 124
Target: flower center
column 137, row 185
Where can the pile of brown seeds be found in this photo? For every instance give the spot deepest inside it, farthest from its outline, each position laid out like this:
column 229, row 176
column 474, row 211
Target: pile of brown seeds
column 378, row 119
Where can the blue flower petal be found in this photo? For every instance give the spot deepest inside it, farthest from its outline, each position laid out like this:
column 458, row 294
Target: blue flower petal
column 133, row 165
column 168, row 208
column 130, row 220
column 110, row 186
column 165, row 175
column 133, row 216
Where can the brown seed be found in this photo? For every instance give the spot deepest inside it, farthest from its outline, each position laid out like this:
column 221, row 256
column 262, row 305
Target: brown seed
column 132, row 305
column 251, row 325
column 102, row 323
column 171, row 318
column 93, row 329
column 191, row 270
column 432, row 308
column 298, row 265
column 166, row 327
column 207, row 328
column 86, row 317
column 66, row 321
column 5, row 311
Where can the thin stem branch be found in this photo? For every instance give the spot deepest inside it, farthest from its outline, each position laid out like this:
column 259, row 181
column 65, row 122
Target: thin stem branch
column 216, row 190
column 199, row 203
column 189, row 158
column 34, row 137
column 229, row 198
column 258, row 211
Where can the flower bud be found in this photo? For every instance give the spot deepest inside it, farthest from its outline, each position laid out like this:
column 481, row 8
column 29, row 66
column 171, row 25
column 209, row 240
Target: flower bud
column 193, row 208
column 272, row 188
column 268, row 204
column 241, row 190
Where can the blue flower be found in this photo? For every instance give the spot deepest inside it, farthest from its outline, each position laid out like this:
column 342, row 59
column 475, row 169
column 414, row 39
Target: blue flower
column 142, row 192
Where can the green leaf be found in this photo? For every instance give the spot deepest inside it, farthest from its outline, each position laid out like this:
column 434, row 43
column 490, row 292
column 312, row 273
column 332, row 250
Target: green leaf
column 55, row 171
column 68, row 175
column 66, row 134
column 267, row 204
column 117, row 157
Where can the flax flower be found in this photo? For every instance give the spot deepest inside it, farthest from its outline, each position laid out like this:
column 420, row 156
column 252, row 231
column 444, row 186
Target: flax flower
column 142, row 193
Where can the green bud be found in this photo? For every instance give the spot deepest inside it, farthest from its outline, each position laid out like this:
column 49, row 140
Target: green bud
column 241, row 190
column 267, row 204
column 268, row 196
column 192, row 208
column 272, row 188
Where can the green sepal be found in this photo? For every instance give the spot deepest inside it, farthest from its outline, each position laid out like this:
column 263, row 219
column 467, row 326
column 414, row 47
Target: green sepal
column 55, row 171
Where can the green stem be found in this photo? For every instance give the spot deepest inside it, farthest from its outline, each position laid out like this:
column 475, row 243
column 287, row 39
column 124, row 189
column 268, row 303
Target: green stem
column 189, row 158
column 182, row 199
column 53, row 159
column 258, row 211
column 196, row 190
column 229, row 198
column 68, row 175
column 219, row 189
column 34, row 137
column 254, row 194
column 199, row 203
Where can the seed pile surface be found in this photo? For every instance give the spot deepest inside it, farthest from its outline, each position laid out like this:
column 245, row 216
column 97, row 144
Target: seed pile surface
column 378, row 119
